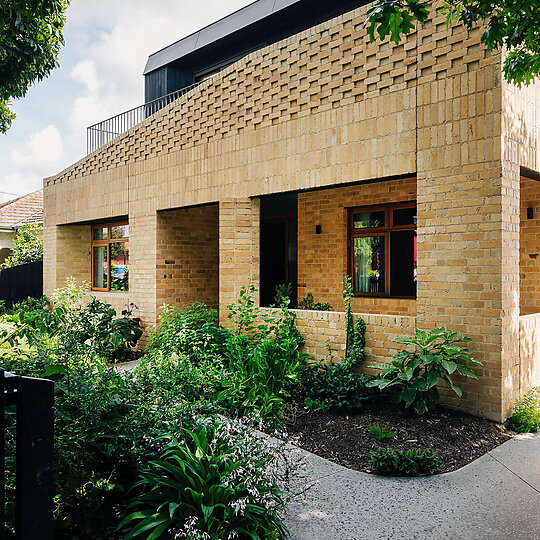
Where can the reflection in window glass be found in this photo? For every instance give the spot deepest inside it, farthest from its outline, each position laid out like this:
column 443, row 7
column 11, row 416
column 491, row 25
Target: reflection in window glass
column 120, row 231
column 100, row 267
column 99, row 233
column 119, row 266
column 362, row 220
column 368, row 264
column 404, row 216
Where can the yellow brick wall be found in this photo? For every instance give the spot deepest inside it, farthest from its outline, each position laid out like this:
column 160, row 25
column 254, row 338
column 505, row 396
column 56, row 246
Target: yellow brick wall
column 520, row 148
column 239, row 221
column 187, row 265
column 323, row 108
column 322, row 258
column 324, row 329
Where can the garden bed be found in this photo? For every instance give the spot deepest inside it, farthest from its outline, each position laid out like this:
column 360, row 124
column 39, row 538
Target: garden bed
column 344, row 438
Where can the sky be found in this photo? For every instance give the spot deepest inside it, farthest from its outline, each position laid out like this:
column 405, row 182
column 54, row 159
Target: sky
column 100, row 75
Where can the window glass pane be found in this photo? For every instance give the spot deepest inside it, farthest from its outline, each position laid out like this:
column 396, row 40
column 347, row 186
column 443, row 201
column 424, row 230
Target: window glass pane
column 404, row 216
column 362, row 220
column 99, row 233
column 120, row 231
column 368, row 264
column 99, row 271
column 119, row 266
column 403, row 263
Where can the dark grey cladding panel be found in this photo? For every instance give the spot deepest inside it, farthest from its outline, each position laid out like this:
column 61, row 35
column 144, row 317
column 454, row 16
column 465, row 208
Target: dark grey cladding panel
column 230, row 24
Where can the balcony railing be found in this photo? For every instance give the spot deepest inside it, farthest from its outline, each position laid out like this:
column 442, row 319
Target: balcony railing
column 101, row 133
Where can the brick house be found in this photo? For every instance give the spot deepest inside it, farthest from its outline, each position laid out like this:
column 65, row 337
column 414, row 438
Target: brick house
column 294, row 150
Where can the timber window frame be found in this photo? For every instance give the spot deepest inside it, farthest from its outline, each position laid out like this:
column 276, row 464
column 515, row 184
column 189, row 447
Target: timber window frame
column 104, row 235
column 383, row 257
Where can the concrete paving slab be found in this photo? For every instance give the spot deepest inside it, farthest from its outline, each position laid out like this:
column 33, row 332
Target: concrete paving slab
column 522, row 456
column 483, row 500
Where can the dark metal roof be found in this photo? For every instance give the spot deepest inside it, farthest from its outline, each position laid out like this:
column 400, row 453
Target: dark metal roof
column 235, row 22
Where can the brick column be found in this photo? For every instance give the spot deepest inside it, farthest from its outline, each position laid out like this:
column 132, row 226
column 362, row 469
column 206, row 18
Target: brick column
column 142, row 264
column 468, row 247
column 239, row 224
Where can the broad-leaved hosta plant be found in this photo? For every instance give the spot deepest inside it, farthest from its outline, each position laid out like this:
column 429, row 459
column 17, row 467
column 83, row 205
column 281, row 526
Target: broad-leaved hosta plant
column 412, row 376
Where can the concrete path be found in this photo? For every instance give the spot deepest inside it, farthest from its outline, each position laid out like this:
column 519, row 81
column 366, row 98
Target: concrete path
column 495, row 497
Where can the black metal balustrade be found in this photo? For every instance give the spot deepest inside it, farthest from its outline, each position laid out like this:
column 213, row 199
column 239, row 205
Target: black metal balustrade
column 34, row 488
column 105, row 131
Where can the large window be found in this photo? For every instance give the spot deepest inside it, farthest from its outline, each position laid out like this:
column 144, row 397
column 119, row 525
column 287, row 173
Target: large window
column 110, row 257
column 382, row 250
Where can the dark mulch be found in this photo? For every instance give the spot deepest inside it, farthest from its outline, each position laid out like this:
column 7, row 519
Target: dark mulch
column 343, row 438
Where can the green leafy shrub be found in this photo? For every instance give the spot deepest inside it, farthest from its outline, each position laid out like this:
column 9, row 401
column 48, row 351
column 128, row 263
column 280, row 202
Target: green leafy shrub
column 412, row 376
column 72, row 326
column 215, row 484
column 260, row 375
column 105, row 427
column 526, row 413
column 95, row 328
column 380, row 433
column 308, row 302
column 27, row 245
column 193, row 332
column 70, row 297
column 192, row 381
column 283, row 293
column 327, row 386
column 415, row 462
column 335, row 384
column 243, row 315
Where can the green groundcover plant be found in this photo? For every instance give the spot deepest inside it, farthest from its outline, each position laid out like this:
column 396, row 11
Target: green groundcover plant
column 414, row 462
column 193, row 332
column 379, row 433
column 109, row 424
column 216, row 483
column 526, row 413
column 412, row 376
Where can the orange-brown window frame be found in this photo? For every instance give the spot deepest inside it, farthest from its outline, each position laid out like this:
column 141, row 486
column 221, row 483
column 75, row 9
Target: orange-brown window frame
column 384, row 231
column 107, row 243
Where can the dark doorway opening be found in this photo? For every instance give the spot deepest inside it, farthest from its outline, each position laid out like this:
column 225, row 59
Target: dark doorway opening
column 279, row 246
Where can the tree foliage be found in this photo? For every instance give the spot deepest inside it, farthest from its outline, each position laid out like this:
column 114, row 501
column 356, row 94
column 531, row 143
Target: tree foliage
column 514, row 24
column 27, row 245
column 30, row 40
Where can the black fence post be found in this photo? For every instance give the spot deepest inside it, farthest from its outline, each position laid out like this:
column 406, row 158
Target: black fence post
column 34, row 459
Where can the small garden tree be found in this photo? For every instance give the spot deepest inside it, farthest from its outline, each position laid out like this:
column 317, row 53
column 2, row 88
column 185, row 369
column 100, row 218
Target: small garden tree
column 27, row 245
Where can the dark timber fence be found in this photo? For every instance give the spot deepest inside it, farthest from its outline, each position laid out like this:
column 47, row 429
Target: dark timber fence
column 19, row 282
column 33, row 400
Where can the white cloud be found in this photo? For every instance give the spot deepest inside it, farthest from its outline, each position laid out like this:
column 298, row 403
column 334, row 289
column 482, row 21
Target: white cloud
column 85, row 73
column 107, row 46
column 43, row 148
column 41, row 154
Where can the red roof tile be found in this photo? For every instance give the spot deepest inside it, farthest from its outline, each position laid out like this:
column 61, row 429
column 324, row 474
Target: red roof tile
column 25, row 209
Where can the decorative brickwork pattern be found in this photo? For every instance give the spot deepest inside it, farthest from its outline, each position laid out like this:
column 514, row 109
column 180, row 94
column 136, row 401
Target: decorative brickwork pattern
column 321, row 109
column 322, row 258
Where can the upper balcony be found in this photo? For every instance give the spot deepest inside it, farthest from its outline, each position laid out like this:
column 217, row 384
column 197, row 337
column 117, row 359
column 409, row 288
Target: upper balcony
column 105, row 131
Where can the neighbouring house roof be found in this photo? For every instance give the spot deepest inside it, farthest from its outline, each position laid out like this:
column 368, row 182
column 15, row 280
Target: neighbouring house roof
column 25, row 209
